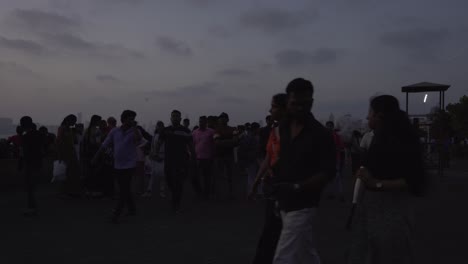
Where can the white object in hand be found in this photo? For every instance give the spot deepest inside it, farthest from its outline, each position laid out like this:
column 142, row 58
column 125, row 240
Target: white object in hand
column 357, row 190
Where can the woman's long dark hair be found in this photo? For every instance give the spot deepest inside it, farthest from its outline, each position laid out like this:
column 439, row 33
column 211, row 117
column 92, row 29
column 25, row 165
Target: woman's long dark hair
column 393, row 121
column 68, row 119
column 395, row 129
column 95, row 121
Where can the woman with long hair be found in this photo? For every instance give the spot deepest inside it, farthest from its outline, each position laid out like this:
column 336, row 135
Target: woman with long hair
column 91, row 142
column 272, row 227
column 66, row 153
column 392, row 174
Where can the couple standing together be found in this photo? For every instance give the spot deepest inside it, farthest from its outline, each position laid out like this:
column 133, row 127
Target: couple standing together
column 301, row 161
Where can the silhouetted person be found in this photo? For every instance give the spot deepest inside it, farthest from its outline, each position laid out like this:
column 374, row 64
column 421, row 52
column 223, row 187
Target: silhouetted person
column 307, row 162
column 67, row 153
column 265, row 134
column 203, row 139
column 340, row 160
column 186, row 123
column 248, row 153
column 157, row 159
column 33, row 152
column 125, row 140
column 15, row 141
column 107, row 159
column 392, row 174
column 111, row 123
column 272, row 224
column 92, row 141
column 212, row 122
column 225, row 141
column 178, row 150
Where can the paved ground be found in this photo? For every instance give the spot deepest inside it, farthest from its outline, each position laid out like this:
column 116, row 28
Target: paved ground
column 76, row 231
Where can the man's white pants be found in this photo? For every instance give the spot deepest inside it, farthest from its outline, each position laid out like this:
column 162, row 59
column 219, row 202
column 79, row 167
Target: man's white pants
column 297, row 243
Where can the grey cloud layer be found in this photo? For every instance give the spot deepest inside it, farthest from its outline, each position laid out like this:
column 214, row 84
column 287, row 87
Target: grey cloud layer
column 59, row 34
column 235, row 72
column 41, row 21
column 422, row 44
column 273, row 20
column 74, row 43
column 106, row 78
column 22, row 45
column 203, row 89
column 173, row 46
column 292, row 58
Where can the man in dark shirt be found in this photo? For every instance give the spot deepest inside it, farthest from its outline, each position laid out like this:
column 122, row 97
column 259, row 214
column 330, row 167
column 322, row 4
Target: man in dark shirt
column 179, row 150
column 33, row 152
column 225, row 141
column 307, row 162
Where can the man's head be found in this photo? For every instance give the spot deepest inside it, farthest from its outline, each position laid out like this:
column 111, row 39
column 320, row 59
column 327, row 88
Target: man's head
column 223, row 119
column 330, row 125
column 203, row 122
column 26, row 123
column 176, row 117
column 159, row 126
column 19, row 130
column 103, row 124
column 186, row 122
column 212, row 122
column 300, row 98
column 44, row 131
column 255, row 128
column 128, row 118
column 111, row 122
column 79, row 128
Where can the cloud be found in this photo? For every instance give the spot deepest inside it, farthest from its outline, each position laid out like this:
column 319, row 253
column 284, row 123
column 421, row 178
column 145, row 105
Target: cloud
column 272, row 20
column 107, row 78
column 26, row 46
column 219, row 32
column 234, row 72
column 232, row 100
column 422, row 44
column 294, row 58
column 197, row 90
column 8, row 67
column 41, row 21
column 200, row 3
column 75, row 43
column 131, row 2
column 173, row 46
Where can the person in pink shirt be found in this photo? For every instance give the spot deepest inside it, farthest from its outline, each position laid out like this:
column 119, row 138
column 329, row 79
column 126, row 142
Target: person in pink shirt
column 203, row 139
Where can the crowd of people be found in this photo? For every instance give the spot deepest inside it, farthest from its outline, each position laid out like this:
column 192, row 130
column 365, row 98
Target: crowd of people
column 288, row 163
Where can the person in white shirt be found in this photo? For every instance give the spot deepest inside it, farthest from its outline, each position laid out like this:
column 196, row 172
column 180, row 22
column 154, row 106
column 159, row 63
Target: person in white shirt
column 367, row 140
column 157, row 164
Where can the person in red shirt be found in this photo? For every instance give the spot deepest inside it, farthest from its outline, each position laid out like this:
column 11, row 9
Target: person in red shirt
column 16, row 142
column 340, row 147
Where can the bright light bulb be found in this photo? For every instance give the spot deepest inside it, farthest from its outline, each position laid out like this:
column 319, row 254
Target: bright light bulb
column 425, row 98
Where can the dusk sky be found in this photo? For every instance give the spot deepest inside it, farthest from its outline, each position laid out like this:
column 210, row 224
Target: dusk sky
column 209, row 56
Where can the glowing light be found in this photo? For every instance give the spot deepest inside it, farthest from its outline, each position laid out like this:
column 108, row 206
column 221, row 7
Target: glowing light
column 425, row 98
